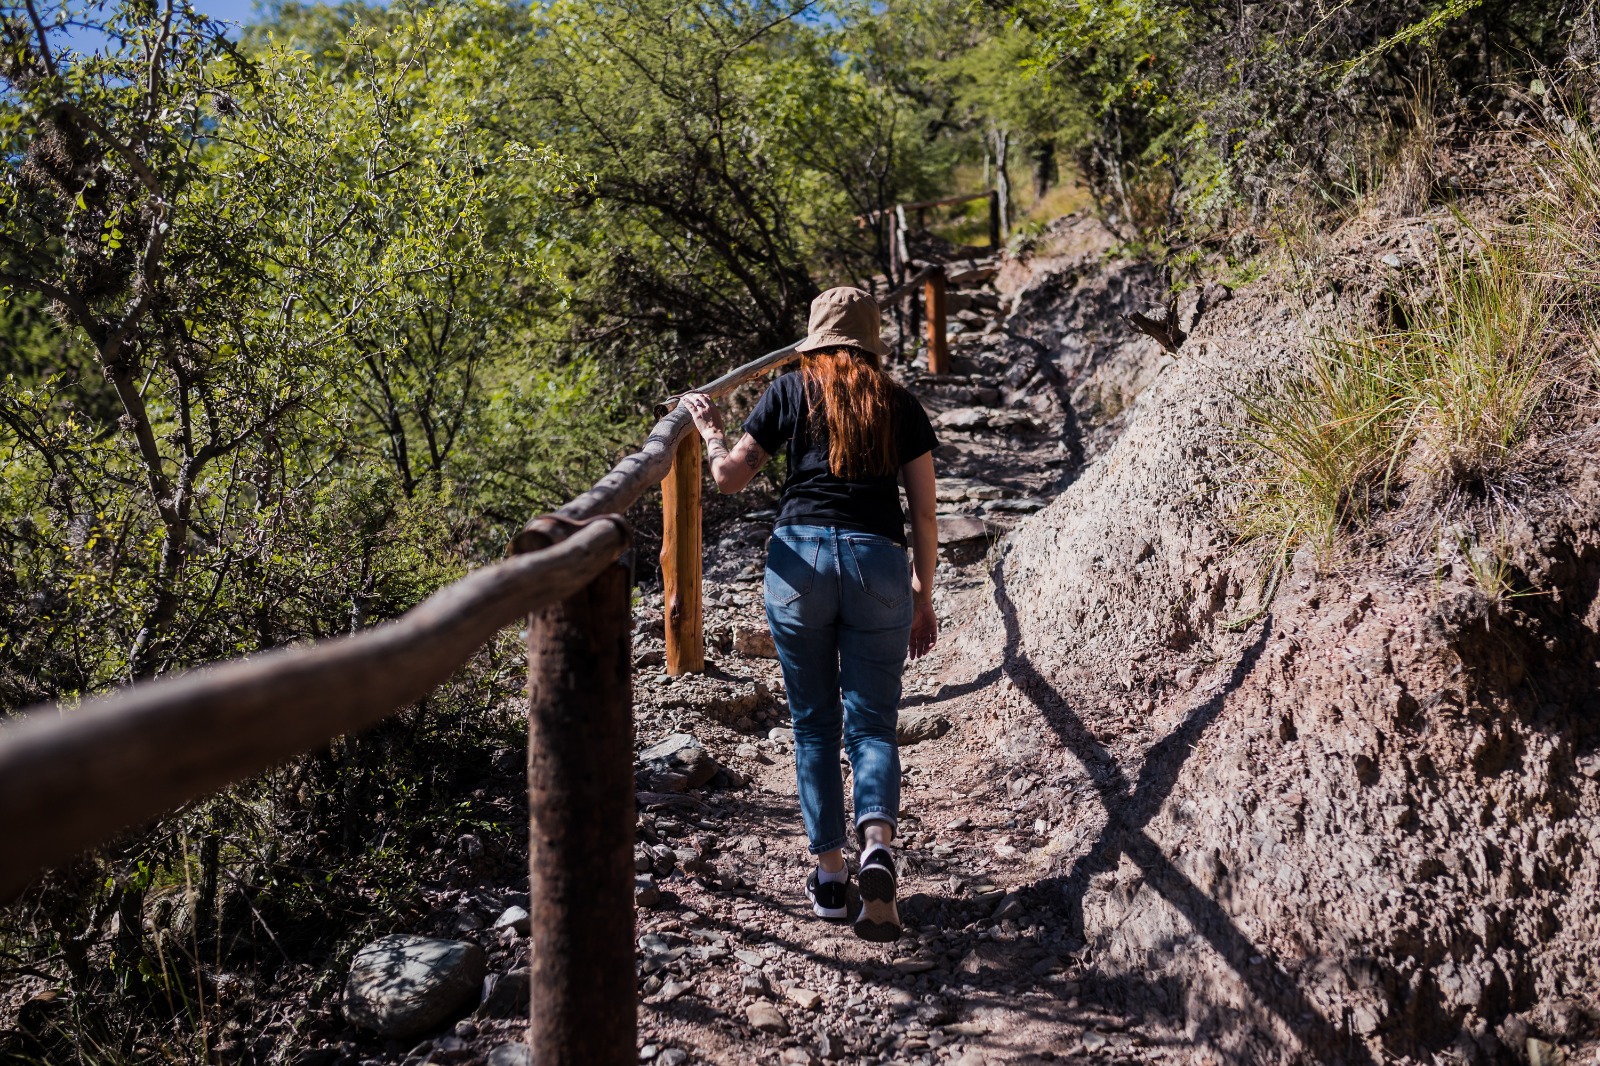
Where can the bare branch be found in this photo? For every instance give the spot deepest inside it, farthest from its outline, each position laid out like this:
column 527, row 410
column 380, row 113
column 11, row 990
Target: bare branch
column 153, row 82
column 774, row 24
column 76, row 307
column 44, row 43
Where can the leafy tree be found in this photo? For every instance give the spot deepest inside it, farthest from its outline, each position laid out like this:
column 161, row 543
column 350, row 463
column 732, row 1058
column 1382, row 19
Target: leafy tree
column 1180, row 112
column 968, row 76
column 728, row 149
column 264, row 376
column 290, row 271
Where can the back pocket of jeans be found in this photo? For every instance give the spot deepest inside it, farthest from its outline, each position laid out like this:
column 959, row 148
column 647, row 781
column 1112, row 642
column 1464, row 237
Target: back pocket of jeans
column 882, row 568
column 791, row 568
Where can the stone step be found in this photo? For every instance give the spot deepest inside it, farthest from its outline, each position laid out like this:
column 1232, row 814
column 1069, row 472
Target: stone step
column 968, row 395
column 967, row 303
column 975, row 275
column 952, row 489
column 972, row 419
column 961, row 528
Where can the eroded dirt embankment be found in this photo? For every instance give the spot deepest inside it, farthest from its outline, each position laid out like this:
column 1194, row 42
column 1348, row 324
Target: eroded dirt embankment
column 1360, row 828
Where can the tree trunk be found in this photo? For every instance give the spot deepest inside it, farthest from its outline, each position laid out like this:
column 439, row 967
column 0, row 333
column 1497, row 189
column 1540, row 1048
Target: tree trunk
column 141, row 656
column 1000, row 149
column 1042, row 157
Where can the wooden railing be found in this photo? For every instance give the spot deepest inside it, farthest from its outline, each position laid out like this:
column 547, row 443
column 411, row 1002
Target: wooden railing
column 899, row 253
column 900, row 256
column 71, row 777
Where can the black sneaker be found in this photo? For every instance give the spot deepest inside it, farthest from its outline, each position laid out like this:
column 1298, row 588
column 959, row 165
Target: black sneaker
column 827, row 897
column 879, row 920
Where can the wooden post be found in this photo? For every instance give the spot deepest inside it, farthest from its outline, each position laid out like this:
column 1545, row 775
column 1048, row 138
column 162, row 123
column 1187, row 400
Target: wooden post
column 894, row 249
column 680, row 560
column 580, row 838
column 938, row 350
column 901, row 247
column 994, row 218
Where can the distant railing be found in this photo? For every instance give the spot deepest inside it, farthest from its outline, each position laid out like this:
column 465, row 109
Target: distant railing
column 71, row 777
column 899, row 253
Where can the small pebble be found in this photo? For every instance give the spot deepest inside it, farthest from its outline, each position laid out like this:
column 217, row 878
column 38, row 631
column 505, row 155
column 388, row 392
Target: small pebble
column 766, row 1018
column 804, row 998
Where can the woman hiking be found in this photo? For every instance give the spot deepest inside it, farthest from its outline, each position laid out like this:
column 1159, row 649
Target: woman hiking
column 843, row 606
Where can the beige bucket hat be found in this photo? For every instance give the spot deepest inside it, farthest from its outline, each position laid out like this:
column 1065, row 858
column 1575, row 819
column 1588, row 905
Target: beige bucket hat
column 844, row 317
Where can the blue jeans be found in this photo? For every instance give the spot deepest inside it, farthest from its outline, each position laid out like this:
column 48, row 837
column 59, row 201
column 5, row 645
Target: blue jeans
column 839, row 606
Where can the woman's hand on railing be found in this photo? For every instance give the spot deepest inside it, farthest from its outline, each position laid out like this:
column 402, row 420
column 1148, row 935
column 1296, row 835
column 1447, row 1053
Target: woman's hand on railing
column 706, row 414
column 733, row 470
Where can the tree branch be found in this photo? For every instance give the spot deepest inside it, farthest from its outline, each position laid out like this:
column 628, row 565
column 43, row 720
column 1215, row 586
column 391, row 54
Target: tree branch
column 44, row 43
column 76, row 307
column 139, row 167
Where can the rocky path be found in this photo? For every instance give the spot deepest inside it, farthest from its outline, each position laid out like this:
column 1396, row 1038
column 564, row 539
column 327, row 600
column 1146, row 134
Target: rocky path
column 733, row 966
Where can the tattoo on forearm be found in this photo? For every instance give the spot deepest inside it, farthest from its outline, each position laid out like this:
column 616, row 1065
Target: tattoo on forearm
column 717, row 448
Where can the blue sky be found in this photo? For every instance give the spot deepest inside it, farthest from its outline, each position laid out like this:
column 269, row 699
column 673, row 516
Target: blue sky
column 238, row 12
column 228, row 10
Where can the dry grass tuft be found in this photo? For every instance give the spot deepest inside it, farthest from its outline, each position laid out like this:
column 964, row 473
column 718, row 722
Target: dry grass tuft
column 1324, row 444
column 1445, row 406
column 1477, row 361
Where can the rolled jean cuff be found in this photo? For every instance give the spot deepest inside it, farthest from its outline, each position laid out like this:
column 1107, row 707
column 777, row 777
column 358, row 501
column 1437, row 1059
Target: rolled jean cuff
column 824, row 849
column 876, row 814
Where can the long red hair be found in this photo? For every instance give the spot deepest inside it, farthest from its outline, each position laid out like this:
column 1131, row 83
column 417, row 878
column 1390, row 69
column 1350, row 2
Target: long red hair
column 849, row 388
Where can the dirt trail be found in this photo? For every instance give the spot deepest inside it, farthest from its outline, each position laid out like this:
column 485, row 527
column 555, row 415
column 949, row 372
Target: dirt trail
column 989, row 970
column 1171, row 820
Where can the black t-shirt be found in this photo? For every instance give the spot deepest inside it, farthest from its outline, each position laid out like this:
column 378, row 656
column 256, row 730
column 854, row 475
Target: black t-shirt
column 812, row 495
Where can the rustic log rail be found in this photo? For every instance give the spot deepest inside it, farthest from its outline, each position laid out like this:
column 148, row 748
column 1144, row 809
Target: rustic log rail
column 72, row 777
column 899, row 255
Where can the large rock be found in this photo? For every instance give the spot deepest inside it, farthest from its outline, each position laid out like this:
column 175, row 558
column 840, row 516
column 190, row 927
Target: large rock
column 958, row 529
column 725, row 700
column 517, row 1054
column 916, row 726
column 766, row 1018
column 505, row 995
column 754, row 643
column 1364, row 830
column 676, row 764
column 513, row 917
column 402, row 985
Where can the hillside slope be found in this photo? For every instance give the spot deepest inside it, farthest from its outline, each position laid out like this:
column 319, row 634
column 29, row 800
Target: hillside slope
column 1361, row 828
